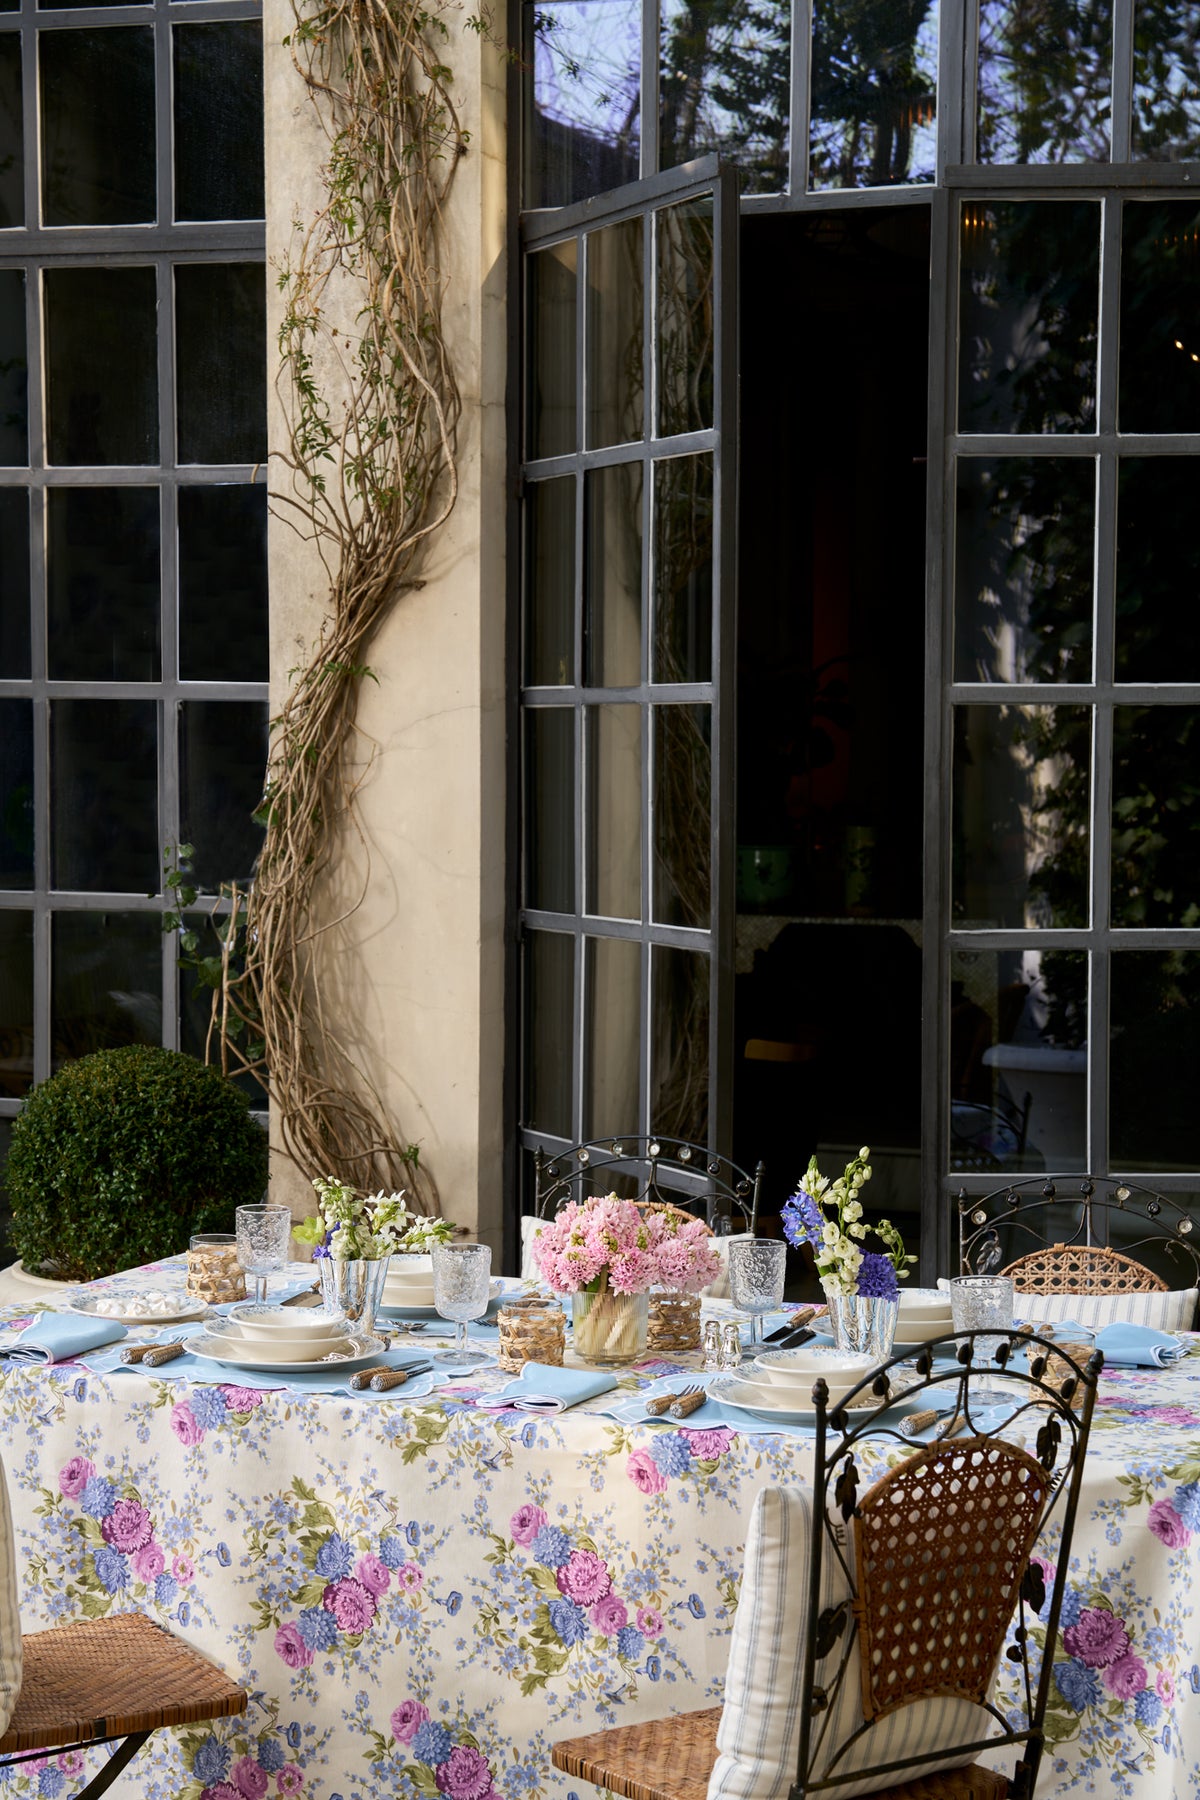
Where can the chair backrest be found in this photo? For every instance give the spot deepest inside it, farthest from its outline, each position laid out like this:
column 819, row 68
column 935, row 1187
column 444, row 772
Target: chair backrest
column 1082, row 1269
column 657, row 1171
column 1054, row 1214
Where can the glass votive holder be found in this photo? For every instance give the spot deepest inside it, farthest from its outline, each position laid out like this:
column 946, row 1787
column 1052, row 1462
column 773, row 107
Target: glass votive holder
column 213, row 1270
column 531, row 1330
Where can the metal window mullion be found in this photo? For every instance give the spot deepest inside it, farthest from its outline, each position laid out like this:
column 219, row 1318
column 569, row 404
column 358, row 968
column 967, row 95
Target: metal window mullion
column 648, row 109
column 956, row 80
column 164, row 118
column 800, row 97
column 1122, row 81
column 580, row 1021
column 1098, row 1041
column 32, row 126
column 723, row 714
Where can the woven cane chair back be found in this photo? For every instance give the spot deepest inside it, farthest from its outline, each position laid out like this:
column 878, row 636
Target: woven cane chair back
column 1082, row 1269
column 660, row 1173
column 1147, row 1237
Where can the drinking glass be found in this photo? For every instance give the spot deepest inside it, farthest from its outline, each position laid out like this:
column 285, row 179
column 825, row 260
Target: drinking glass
column 978, row 1302
column 462, row 1282
column 264, row 1237
column 756, row 1273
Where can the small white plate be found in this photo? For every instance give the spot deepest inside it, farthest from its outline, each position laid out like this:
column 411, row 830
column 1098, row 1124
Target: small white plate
column 745, row 1396
column 82, row 1301
column 241, row 1353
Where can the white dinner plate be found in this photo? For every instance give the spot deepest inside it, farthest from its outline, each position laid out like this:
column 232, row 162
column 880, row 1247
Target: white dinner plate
column 745, row 1396
column 397, row 1310
column 242, row 1353
column 189, row 1307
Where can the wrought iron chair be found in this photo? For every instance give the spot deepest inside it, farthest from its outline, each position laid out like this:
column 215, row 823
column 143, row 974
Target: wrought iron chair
column 923, row 1581
column 655, row 1169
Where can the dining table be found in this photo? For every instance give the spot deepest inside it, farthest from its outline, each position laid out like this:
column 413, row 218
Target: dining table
column 422, row 1590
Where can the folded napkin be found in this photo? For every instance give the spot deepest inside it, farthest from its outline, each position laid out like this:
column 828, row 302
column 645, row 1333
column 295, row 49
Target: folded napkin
column 544, row 1388
column 1136, row 1346
column 56, row 1336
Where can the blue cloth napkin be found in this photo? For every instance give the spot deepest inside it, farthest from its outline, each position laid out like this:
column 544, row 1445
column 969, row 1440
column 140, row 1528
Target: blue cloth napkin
column 56, row 1336
column 1136, row 1346
column 543, row 1388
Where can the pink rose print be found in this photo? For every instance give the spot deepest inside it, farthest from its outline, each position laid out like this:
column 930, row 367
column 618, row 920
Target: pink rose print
column 1097, row 1638
column 289, row 1780
column 584, row 1577
column 525, row 1524
column 707, row 1444
column 249, row 1778
column 609, row 1615
column 464, row 1775
column 148, row 1561
column 240, row 1399
column 375, row 1575
column 406, row 1719
column 183, row 1568
column 71, row 1763
column 292, row 1647
column 1167, row 1525
column 409, row 1578
column 1126, row 1677
column 649, row 1622
column 127, row 1526
column 1165, row 1687
column 350, row 1603
column 74, row 1476
column 185, row 1425
column 645, row 1473
column 221, row 1790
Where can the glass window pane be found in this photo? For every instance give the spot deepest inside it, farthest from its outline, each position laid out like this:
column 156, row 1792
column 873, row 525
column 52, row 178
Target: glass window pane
column 221, row 375
column 1157, row 639
column 104, row 795
column 682, row 815
column 550, row 808
column 550, row 401
column 614, row 817
column 222, row 766
column 12, row 133
column 874, row 94
column 612, row 576
column 16, row 1003
column 1160, row 293
column 1156, row 815
column 1028, row 309
column 724, row 78
column 1023, row 573
column 685, row 323
column 1166, row 81
column 1020, row 816
column 105, row 982
column 613, row 1006
column 97, row 97
column 14, row 584
column 683, row 568
column 14, row 371
column 1153, row 1122
column 102, row 583
column 223, row 583
column 549, row 988
column 679, row 1043
column 219, row 120
column 16, row 795
column 1018, row 1060
column 101, row 365
column 582, row 61
column 550, row 579
column 1045, row 82
column 615, row 375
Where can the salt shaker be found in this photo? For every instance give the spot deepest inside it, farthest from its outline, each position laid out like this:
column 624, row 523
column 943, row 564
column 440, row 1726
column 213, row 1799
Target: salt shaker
column 713, row 1357
column 731, row 1346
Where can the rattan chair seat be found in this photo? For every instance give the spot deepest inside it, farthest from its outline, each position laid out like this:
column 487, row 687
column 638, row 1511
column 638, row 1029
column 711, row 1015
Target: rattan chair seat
column 1082, row 1269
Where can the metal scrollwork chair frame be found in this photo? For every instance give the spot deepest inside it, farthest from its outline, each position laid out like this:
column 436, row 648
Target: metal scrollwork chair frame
column 666, row 1171
column 1069, row 1220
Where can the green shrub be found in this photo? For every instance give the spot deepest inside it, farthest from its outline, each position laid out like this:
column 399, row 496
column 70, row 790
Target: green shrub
column 119, row 1157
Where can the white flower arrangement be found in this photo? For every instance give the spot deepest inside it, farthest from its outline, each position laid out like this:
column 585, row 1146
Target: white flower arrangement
column 353, row 1227
column 829, row 1216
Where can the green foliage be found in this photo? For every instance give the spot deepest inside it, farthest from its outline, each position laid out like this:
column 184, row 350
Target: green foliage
column 119, row 1157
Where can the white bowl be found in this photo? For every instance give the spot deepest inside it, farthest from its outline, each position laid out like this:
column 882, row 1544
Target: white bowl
column 408, row 1293
column 921, row 1331
column 410, row 1268
column 309, row 1322
column 277, row 1349
column 800, row 1368
column 923, row 1303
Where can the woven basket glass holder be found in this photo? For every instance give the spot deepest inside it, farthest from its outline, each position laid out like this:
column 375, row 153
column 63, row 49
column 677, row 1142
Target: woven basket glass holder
column 214, row 1273
column 674, row 1321
column 531, row 1330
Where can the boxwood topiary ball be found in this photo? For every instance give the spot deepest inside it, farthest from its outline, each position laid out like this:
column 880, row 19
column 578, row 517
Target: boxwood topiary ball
column 119, row 1157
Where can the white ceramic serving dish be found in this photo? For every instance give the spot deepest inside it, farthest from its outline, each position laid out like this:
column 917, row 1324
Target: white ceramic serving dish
column 922, row 1303
column 920, row 1331
column 410, row 1268
column 258, row 1321
column 410, row 1293
column 262, row 1353
column 774, row 1404
column 132, row 1306
column 800, row 1368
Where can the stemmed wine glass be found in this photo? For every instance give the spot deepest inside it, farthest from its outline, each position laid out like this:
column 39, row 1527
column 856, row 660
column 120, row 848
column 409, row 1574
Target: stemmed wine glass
column 264, row 1235
column 756, row 1277
column 461, row 1289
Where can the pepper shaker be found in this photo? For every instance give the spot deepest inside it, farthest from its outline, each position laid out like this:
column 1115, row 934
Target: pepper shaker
column 731, row 1346
column 713, row 1357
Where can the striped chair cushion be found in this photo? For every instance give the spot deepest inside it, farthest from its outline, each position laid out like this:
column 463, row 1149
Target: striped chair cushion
column 758, row 1738
column 1173, row 1311
column 10, row 1613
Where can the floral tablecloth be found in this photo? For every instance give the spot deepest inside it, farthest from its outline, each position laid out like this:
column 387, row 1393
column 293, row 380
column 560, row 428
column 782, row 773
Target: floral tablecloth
column 420, row 1597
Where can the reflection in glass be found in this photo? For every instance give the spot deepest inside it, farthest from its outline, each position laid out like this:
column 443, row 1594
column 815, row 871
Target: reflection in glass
column 583, row 63
column 14, row 584
column 221, row 376
column 550, row 583
column 16, row 1003
column 223, row 583
column 101, row 365
column 874, row 94
column 105, row 982
column 1024, row 542
column 1153, row 1120
column 97, row 115
column 612, row 1010
column 682, row 815
column 16, row 796
column 1045, row 83
column 724, row 75
column 550, row 808
column 12, row 133
column 550, row 400
column 614, row 334
column 1166, row 81
column 549, row 989
column 222, row 763
column 102, row 583
column 1028, row 307
column 1157, row 639
column 1156, row 815
column 679, row 989
column 683, row 568
column 684, row 317
column 196, row 1033
column 1159, row 381
column 14, row 371
column 1018, row 1060
column 614, row 814
column 218, row 96
column 1020, row 816
column 104, row 795
column 612, row 576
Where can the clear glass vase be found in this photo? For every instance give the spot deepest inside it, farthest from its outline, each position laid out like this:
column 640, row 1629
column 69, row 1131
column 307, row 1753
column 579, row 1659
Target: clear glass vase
column 863, row 1325
column 610, row 1328
column 353, row 1285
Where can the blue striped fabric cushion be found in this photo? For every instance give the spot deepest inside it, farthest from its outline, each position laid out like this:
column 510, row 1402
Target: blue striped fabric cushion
column 758, row 1738
column 10, row 1612
column 1173, row 1311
